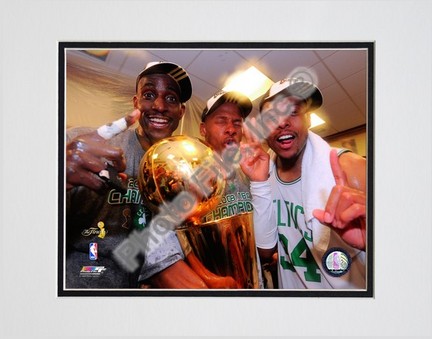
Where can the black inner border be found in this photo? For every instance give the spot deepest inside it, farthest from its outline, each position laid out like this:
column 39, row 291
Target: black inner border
column 368, row 292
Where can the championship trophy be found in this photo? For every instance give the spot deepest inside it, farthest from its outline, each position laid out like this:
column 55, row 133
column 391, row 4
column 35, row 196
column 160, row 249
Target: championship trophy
column 223, row 248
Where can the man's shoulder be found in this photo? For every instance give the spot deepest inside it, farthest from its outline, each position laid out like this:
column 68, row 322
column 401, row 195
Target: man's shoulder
column 351, row 157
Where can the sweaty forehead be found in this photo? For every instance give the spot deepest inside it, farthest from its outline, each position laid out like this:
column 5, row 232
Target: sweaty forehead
column 159, row 82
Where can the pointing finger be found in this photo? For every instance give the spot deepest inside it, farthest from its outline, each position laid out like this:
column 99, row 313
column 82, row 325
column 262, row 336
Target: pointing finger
column 328, row 214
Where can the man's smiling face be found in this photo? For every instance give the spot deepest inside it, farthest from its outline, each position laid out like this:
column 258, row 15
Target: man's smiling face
column 289, row 138
column 161, row 110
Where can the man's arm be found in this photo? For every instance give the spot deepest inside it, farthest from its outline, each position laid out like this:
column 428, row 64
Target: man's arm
column 178, row 275
column 255, row 165
column 165, row 268
column 266, row 234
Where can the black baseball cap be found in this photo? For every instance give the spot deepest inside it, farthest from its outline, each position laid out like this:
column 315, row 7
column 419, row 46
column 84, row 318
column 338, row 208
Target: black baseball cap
column 175, row 71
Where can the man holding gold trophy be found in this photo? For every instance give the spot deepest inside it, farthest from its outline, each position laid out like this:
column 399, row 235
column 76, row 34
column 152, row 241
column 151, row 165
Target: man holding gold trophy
column 103, row 210
column 217, row 236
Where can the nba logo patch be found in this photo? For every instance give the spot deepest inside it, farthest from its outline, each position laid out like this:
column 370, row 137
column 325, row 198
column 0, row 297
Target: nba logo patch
column 93, row 251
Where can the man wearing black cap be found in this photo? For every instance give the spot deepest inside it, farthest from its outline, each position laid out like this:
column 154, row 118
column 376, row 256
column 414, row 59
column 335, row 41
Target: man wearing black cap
column 222, row 128
column 101, row 209
column 309, row 200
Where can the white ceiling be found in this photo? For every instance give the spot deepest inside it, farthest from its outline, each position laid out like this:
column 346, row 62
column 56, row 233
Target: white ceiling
column 341, row 74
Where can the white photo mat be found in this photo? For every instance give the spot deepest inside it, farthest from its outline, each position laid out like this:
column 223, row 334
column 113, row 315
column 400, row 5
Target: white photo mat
column 31, row 31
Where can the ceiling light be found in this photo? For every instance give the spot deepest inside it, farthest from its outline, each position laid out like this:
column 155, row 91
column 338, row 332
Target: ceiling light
column 251, row 83
column 316, row 120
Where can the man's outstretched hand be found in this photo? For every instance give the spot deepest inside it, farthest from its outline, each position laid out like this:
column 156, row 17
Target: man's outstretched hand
column 87, row 155
column 345, row 210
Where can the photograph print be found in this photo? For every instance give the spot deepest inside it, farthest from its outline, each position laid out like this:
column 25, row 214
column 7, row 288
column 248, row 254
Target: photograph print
column 216, row 169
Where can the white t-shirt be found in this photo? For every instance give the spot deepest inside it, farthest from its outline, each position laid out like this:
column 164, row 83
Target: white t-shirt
column 279, row 218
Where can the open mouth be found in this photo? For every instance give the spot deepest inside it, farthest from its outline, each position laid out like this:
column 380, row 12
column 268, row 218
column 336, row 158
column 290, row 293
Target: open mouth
column 231, row 145
column 285, row 140
column 230, row 142
column 158, row 121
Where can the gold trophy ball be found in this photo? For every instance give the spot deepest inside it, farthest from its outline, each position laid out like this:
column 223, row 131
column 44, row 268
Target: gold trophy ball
column 181, row 164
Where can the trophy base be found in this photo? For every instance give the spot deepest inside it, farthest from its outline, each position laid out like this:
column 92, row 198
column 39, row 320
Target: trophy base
column 225, row 247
